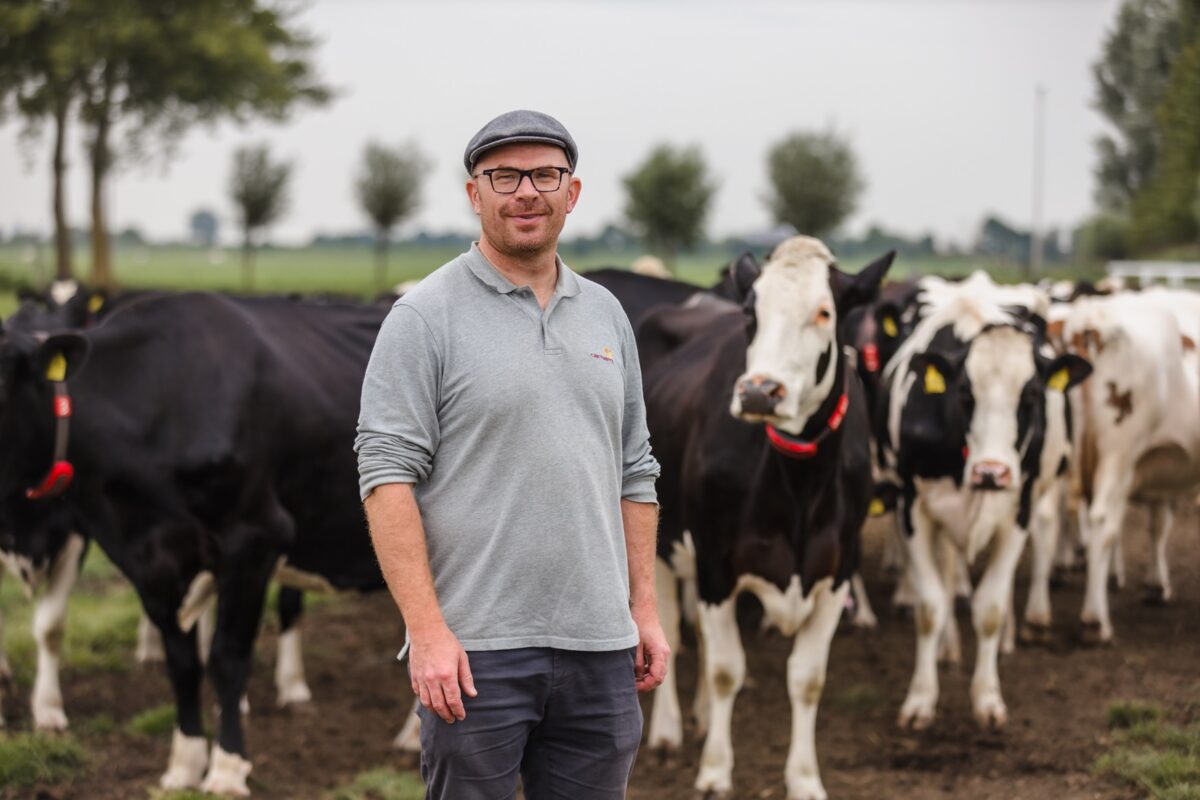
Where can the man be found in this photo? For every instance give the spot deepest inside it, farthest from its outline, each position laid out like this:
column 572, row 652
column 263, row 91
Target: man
column 507, row 478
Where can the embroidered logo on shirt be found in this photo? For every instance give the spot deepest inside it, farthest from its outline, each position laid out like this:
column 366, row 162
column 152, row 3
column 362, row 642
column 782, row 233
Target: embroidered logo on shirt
column 604, row 355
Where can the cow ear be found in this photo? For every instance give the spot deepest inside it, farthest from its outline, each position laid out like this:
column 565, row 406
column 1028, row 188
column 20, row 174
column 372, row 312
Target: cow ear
column 1065, row 371
column 859, row 289
column 60, row 356
column 744, row 272
column 934, row 371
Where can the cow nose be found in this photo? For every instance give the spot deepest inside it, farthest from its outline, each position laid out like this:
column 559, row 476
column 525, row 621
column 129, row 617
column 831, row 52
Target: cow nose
column 990, row 475
column 760, row 395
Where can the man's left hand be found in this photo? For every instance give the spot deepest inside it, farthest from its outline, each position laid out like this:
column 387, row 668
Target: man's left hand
column 650, row 662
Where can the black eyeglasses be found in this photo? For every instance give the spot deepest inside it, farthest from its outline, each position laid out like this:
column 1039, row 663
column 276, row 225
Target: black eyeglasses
column 506, row 180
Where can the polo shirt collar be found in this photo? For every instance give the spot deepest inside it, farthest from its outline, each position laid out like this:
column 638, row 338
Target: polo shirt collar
column 477, row 262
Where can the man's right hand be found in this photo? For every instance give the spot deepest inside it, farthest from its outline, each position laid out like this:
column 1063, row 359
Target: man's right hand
column 440, row 672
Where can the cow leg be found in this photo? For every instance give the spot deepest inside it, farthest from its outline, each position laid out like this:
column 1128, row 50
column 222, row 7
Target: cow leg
column 700, row 700
column 806, row 680
column 864, row 615
column 241, row 592
column 49, row 619
column 1118, row 562
column 725, row 672
column 933, row 605
column 1159, row 584
column 666, row 720
column 1045, row 536
column 950, row 644
column 290, row 684
column 189, row 748
column 149, row 643
column 1008, row 634
column 1105, row 517
column 904, row 596
column 988, row 609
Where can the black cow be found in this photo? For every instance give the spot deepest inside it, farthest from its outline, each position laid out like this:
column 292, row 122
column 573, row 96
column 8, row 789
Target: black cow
column 772, row 508
column 210, row 445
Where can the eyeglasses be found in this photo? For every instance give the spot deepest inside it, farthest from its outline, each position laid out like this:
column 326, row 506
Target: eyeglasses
column 506, row 180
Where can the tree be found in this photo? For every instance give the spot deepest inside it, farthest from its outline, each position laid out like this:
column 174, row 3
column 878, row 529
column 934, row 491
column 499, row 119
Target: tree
column 1162, row 210
column 39, row 79
column 204, row 226
column 388, row 188
column 1131, row 80
column 815, row 182
column 668, row 197
column 259, row 190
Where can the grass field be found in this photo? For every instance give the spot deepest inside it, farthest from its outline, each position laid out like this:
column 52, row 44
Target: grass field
column 351, row 270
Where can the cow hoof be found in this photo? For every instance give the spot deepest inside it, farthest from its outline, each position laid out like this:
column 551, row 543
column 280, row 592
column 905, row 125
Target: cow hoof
column 1036, row 633
column 189, row 757
column 916, row 715
column 227, row 774
column 992, row 714
column 809, row 788
column 1093, row 633
column 1155, row 595
column 49, row 720
column 293, row 694
column 864, row 620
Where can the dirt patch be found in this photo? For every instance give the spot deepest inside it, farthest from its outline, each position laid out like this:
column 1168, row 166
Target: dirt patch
column 1057, row 697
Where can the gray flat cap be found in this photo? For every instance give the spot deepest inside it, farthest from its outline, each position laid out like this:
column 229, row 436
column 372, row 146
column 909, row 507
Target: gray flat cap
column 520, row 126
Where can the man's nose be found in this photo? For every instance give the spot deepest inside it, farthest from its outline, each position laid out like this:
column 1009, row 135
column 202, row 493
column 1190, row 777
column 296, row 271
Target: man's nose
column 525, row 187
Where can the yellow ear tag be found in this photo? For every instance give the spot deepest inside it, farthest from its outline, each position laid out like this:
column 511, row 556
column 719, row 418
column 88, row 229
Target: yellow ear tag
column 95, row 303
column 56, row 370
column 889, row 327
column 934, row 382
column 876, row 508
column 1059, row 380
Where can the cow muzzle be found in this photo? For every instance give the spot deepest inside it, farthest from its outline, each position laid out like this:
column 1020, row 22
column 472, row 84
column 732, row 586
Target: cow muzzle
column 991, row 476
column 759, row 395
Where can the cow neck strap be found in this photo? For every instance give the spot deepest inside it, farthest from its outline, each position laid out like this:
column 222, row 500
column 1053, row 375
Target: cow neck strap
column 794, row 447
column 59, row 476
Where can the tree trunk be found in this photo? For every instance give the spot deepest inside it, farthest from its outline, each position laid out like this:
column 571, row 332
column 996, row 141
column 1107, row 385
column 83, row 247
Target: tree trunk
column 62, row 235
column 247, row 261
column 101, row 252
column 381, row 243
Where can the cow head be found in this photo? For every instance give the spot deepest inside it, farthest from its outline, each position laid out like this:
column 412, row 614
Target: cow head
column 793, row 305
column 995, row 388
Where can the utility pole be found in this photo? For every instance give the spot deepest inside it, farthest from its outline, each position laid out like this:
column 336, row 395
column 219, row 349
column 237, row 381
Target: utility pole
column 1039, row 145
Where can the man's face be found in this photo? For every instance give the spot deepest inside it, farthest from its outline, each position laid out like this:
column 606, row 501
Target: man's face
column 527, row 221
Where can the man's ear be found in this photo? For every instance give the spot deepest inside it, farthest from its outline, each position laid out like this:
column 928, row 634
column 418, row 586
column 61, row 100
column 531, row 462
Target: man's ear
column 850, row 291
column 60, row 356
column 473, row 195
column 1065, row 371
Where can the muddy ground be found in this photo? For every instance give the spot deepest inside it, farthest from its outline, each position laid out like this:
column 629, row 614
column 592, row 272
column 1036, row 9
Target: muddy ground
column 1057, row 696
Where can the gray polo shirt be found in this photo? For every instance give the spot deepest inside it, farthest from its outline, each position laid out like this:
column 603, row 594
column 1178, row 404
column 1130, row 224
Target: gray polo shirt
column 521, row 430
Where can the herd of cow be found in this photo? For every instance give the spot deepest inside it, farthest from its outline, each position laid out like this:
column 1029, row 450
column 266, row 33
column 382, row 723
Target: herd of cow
column 203, row 442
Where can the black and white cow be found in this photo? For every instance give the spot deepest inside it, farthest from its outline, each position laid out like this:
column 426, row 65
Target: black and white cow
column 208, row 447
column 760, row 424
column 977, row 433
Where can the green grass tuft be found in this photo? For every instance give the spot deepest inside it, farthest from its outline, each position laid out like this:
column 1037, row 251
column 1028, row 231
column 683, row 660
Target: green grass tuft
column 381, row 783
column 157, row 721
column 1129, row 714
column 861, row 698
column 26, row 759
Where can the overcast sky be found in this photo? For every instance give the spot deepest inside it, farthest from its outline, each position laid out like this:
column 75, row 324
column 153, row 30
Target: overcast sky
column 937, row 99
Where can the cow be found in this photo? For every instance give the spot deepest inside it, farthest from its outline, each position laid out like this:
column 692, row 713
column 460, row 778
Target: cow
column 977, row 434
column 208, row 444
column 1139, row 433
column 760, row 423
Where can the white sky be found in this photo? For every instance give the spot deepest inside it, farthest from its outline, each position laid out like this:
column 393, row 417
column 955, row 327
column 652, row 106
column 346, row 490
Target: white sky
column 937, row 98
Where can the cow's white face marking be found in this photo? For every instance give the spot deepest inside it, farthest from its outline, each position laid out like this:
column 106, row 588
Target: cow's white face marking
column 999, row 365
column 796, row 326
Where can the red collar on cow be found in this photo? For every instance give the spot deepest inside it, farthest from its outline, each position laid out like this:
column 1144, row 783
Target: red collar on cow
column 59, row 476
column 795, row 447
column 870, row 354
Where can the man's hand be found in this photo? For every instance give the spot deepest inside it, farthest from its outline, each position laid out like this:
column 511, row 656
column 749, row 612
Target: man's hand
column 440, row 673
column 650, row 662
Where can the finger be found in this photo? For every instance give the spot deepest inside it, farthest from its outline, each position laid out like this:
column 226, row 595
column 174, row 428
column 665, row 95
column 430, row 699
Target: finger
column 658, row 665
column 639, row 661
column 438, row 698
column 423, row 692
column 454, row 698
column 465, row 677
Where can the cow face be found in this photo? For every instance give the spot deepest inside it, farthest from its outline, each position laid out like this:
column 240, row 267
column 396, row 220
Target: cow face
column 792, row 308
column 996, row 388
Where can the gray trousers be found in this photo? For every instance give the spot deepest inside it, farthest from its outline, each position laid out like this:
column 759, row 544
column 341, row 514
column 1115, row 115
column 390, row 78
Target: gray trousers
column 569, row 722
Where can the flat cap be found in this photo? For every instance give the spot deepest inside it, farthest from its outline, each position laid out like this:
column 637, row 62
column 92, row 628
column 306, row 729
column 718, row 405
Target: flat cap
column 520, row 126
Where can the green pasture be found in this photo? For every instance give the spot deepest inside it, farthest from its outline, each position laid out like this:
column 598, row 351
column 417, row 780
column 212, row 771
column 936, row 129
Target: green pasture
column 1151, row 755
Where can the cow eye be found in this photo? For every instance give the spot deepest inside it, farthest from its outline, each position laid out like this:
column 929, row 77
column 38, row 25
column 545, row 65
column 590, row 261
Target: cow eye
column 824, row 315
